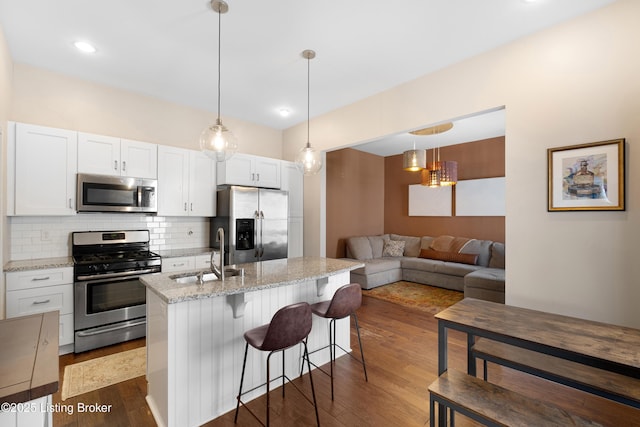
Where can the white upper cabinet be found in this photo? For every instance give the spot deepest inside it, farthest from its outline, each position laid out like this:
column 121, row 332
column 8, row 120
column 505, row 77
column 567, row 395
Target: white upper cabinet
column 107, row 155
column 248, row 170
column 293, row 183
column 42, row 167
column 186, row 183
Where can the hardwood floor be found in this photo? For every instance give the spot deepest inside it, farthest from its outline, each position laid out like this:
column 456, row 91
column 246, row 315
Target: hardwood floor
column 400, row 346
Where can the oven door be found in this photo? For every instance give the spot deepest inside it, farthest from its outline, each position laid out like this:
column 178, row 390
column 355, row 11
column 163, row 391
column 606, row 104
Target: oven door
column 101, row 302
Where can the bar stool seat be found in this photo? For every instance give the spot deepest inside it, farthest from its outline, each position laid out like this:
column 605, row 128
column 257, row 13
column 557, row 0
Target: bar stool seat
column 289, row 326
column 346, row 300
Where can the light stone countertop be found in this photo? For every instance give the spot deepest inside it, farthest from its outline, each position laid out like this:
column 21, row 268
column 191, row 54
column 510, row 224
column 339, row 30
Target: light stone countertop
column 257, row 276
column 38, row 264
column 60, row 262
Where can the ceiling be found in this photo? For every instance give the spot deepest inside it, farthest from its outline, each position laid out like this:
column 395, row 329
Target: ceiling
column 483, row 125
column 168, row 48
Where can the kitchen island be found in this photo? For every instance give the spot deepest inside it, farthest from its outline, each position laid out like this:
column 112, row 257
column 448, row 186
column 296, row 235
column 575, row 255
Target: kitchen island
column 195, row 333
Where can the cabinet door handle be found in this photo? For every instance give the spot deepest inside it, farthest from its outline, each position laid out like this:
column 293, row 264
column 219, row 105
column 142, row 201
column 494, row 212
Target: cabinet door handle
column 192, row 207
column 257, row 177
column 124, row 166
column 178, row 265
column 47, row 301
column 185, row 206
column 38, row 279
column 70, row 203
column 115, row 165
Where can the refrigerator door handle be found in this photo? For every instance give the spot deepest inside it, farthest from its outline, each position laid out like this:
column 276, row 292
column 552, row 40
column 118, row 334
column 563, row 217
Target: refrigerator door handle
column 261, row 234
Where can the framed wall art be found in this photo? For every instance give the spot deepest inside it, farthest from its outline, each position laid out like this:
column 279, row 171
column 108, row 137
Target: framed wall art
column 587, row 177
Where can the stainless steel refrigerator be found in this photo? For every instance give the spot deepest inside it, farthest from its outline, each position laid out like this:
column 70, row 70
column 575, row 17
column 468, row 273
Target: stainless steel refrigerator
column 254, row 221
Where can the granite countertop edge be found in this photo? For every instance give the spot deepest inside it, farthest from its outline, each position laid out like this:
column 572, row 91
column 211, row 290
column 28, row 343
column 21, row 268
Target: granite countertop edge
column 172, row 293
column 37, row 264
column 67, row 261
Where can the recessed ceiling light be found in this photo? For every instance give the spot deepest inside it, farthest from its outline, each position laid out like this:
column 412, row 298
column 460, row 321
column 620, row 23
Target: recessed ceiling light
column 284, row 112
column 85, row 47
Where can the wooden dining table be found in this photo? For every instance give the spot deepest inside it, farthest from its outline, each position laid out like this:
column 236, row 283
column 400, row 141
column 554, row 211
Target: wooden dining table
column 605, row 346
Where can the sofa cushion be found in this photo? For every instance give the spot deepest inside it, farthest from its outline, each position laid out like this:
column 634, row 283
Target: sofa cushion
column 449, row 256
column 497, row 255
column 449, row 243
column 486, row 278
column 411, row 244
column 377, row 244
column 425, row 242
column 378, row 265
column 482, row 248
column 359, row 248
column 456, row 269
column 421, row 264
column 393, row 248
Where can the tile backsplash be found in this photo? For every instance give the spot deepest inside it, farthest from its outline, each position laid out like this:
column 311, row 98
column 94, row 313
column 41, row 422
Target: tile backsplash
column 50, row 237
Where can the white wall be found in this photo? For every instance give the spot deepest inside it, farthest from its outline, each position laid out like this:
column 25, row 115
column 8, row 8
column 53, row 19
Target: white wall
column 570, row 84
column 6, row 75
column 50, row 99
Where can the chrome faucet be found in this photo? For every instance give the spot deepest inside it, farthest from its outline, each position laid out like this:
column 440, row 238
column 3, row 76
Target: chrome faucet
column 219, row 271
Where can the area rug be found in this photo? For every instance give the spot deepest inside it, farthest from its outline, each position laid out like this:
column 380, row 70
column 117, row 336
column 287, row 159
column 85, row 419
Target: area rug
column 422, row 297
column 104, row 371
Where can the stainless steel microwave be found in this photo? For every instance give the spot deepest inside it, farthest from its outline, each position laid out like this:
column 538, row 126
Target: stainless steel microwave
column 102, row 193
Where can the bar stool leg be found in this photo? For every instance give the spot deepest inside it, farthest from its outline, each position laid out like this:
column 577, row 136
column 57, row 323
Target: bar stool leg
column 268, row 382
column 244, row 365
column 355, row 317
column 313, row 390
column 332, row 346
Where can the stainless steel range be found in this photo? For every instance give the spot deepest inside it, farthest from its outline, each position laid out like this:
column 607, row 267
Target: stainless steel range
column 109, row 300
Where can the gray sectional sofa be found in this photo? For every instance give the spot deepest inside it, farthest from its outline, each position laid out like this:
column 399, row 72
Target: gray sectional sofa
column 473, row 266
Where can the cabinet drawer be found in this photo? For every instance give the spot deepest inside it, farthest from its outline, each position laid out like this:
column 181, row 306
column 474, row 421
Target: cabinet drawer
column 178, row 264
column 18, row 280
column 40, row 300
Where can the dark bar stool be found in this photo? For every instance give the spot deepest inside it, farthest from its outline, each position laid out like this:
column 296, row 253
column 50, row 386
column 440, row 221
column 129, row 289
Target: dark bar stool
column 346, row 300
column 289, row 326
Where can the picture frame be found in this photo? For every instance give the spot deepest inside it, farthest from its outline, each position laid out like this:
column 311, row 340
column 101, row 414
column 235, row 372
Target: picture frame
column 587, row 177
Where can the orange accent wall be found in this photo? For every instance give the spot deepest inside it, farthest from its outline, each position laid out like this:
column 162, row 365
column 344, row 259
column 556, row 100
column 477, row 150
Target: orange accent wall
column 355, row 197
column 369, row 194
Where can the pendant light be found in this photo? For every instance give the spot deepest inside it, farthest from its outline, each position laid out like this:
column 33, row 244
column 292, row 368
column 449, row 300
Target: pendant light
column 217, row 141
column 414, row 160
column 308, row 160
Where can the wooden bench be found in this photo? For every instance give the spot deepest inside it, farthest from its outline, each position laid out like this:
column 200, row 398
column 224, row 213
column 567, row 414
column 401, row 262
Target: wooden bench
column 602, row 383
column 493, row 405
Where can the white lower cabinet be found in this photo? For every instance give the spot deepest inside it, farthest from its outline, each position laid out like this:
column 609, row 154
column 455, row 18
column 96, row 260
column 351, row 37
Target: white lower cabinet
column 39, row 291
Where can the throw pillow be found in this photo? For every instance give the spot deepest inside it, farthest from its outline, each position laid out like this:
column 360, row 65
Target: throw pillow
column 393, row 248
column 359, row 248
column 497, row 255
column 449, row 256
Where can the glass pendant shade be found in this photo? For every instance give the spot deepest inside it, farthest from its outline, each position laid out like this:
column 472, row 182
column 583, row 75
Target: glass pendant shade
column 218, row 142
column 448, row 172
column 308, row 160
column 414, row 160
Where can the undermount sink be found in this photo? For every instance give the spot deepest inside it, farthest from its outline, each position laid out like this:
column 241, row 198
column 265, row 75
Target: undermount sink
column 192, row 277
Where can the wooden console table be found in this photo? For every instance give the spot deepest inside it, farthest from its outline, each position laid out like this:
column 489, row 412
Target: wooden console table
column 29, row 368
column 609, row 347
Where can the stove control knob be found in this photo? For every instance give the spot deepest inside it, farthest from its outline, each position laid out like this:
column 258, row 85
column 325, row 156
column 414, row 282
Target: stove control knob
column 105, row 267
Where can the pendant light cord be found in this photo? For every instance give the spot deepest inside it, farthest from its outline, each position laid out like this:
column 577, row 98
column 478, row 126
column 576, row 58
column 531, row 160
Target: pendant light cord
column 308, row 98
column 219, row 44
